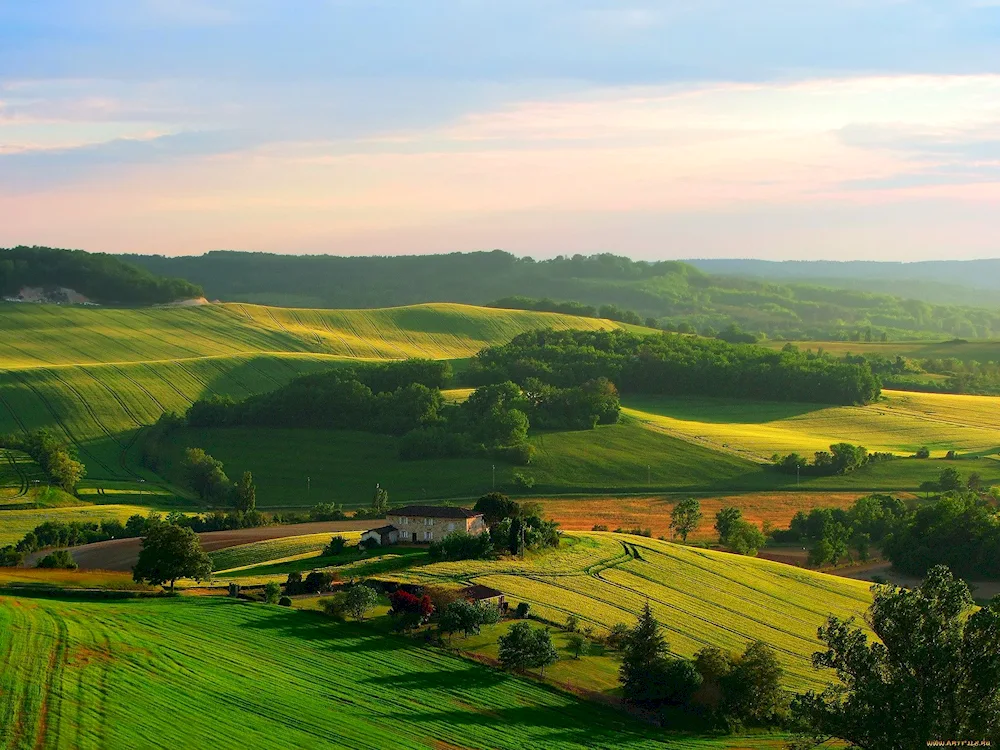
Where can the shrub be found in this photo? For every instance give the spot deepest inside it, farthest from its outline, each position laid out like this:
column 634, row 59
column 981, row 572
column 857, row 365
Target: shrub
column 523, row 481
column 317, row 581
column 285, row 601
column 462, row 546
column 572, row 623
column 519, row 454
column 61, row 558
column 335, row 547
column 522, row 610
column 335, row 606
column 271, row 592
column 599, row 527
column 923, row 452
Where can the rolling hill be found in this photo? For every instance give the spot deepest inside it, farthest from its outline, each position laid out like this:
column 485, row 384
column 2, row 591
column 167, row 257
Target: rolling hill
column 99, row 675
column 701, row 597
column 98, row 376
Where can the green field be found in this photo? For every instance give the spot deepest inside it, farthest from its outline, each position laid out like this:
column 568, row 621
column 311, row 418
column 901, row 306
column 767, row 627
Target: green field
column 701, row 597
column 977, row 350
column 224, row 674
column 345, row 466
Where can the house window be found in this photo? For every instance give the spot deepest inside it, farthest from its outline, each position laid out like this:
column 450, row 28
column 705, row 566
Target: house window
column 451, row 527
column 428, row 536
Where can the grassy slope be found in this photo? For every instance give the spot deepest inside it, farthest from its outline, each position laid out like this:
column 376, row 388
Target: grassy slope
column 345, row 466
column 237, row 675
column 272, row 550
column 96, row 376
column 901, row 422
column 702, row 597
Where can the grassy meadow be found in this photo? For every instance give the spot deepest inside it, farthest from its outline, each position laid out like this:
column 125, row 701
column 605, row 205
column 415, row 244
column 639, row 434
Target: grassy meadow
column 276, row 550
column 901, row 422
column 225, row 674
column 702, row 597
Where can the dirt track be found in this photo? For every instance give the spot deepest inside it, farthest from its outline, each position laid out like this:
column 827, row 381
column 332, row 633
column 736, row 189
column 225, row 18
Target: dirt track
column 121, row 554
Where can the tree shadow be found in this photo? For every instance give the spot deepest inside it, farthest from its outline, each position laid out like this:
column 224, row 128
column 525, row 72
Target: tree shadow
column 472, row 678
column 721, row 410
column 316, row 627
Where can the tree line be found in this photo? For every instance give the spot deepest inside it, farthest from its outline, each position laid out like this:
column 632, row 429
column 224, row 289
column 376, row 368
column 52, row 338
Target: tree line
column 674, row 364
column 677, row 295
column 959, row 529
column 100, row 277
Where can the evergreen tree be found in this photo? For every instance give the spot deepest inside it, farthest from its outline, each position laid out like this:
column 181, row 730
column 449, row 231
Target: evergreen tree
column 644, row 661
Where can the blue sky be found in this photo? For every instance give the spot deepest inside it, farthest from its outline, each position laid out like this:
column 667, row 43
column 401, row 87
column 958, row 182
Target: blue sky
column 683, row 128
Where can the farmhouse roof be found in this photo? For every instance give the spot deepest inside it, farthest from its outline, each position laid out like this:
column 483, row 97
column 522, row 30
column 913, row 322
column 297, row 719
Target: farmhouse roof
column 478, row 592
column 433, row 511
column 383, row 529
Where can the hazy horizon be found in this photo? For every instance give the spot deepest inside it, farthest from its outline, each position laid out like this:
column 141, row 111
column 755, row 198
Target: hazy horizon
column 654, row 130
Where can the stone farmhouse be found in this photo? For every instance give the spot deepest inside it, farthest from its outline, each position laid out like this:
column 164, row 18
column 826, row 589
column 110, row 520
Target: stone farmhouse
column 425, row 524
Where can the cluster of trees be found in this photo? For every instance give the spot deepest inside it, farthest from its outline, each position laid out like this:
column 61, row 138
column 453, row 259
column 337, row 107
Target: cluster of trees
column 726, row 689
column 357, row 601
column 959, row 529
column 677, row 294
column 512, row 528
column 842, row 458
column 60, row 558
column 738, row 534
column 207, row 477
column 961, row 376
column 837, row 534
column 404, row 399
column 315, row 582
column 674, row 364
column 932, row 675
column 98, row 276
column 463, row 616
column 524, row 647
column 56, row 458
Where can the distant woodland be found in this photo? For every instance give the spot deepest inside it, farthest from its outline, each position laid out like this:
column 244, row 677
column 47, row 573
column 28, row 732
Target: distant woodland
column 671, row 294
column 102, row 278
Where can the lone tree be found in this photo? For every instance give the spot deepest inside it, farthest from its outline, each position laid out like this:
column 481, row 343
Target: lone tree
column 934, row 673
column 380, row 502
column 360, row 600
column 170, row 552
column 245, row 493
column 685, row 517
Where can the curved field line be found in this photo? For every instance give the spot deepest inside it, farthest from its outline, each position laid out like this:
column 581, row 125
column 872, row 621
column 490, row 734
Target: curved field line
column 13, row 414
column 59, row 420
column 21, row 476
column 140, row 386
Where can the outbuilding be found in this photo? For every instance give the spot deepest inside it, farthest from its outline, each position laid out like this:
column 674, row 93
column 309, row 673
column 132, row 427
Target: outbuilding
column 382, row 536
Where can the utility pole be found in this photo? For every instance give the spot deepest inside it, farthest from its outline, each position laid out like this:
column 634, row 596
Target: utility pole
column 798, row 470
column 308, row 485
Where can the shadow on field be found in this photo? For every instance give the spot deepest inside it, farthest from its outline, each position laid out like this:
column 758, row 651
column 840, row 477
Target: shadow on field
column 313, row 626
column 569, row 723
column 472, row 678
column 720, row 410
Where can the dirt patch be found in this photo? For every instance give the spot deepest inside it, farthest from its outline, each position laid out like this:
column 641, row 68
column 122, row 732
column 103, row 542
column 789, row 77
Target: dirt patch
column 581, row 514
column 884, row 572
column 121, row 554
column 82, row 656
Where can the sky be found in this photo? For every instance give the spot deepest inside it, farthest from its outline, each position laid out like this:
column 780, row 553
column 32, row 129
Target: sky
column 833, row 129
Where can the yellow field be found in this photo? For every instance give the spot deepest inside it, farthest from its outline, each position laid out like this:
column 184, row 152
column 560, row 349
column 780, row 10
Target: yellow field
column 48, row 336
column 902, row 422
column 702, row 597
column 283, row 549
column 14, row 524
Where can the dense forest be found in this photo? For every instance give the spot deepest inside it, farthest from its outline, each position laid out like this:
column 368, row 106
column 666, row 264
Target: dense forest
column 102, row 278
column 676, row 295
column 675, row 364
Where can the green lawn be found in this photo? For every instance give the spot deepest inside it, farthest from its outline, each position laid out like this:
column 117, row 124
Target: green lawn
column 225, row 674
